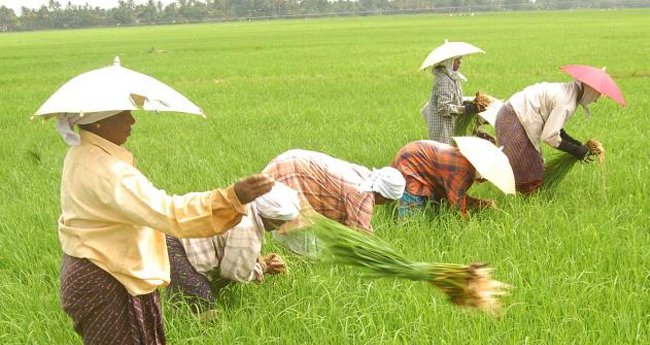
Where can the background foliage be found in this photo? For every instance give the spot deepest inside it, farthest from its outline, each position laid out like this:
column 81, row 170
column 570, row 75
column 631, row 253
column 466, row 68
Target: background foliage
column 62, row 14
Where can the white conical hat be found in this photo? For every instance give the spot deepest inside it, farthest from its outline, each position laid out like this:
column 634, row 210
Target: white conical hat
column 114, row 88
column 489, row 161
column 447, row 51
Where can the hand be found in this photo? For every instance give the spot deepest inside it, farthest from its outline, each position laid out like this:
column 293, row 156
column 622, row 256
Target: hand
column 249, row 188
column 581, row 152
column 471, row 108
column 259, row 276
column 589, row 158
column 596, row 150
column 480, row 108
column 487, row 204
column 275, row 264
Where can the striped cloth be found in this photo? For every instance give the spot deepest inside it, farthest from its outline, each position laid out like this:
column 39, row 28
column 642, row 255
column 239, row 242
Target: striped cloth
column 527, row 163
column 103, row 312
column 446, row 101
column 231, row 256
column 325, row 185
column 436, row 171
column 234, row 253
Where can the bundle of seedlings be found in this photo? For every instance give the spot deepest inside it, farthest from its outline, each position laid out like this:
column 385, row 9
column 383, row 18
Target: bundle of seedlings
column 464, row 285
column 557, row 168
column 467, row 123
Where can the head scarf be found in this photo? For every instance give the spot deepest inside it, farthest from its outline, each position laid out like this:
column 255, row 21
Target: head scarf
column 280, row 203
column 589, row 95
column 449, row 66
column 386, row 181
column 66, row 121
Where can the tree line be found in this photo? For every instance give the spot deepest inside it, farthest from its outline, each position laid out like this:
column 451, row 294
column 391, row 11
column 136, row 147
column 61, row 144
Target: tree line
column 54, row 15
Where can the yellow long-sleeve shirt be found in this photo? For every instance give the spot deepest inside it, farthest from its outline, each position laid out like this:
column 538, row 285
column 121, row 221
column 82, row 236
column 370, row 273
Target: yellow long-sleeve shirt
column 113, row 216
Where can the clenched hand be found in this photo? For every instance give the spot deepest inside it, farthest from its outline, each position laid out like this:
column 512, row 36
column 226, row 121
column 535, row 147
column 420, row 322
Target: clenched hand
column 249, row 188
column 274, row 264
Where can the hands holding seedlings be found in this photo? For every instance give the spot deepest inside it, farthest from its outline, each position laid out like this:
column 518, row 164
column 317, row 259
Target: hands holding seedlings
column 480, row 103
column 274, row 264
column 271, row 264
column 596, row 150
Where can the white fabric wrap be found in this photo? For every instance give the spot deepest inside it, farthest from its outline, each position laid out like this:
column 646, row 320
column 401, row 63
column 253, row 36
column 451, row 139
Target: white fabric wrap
column 449, row 66
column 589, row 95
column 280, row 203
column 66, row 121
column 386, row 181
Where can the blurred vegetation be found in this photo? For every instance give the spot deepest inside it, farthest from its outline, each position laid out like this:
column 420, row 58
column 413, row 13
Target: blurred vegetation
column 57, row 15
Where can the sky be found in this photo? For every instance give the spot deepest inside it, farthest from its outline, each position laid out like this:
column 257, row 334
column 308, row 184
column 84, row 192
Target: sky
column 17, row 4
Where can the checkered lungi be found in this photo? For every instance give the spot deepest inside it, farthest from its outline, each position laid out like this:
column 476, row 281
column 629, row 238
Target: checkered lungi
column 527, row 163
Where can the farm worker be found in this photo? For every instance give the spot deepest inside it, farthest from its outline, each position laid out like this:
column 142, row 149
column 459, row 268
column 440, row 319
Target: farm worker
column 535, row 114
column 233, row 255
column 446, row 101
column 435, row 172
column 339, row 190
column 112, row 231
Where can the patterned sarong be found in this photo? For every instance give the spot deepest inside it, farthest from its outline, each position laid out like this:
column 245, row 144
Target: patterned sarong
column 527, row 163
column 186, row 283
column 102, row 310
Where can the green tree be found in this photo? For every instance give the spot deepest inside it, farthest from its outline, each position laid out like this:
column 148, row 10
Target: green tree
column 192, row 10
column 170, row 13
column 125, row 12
column 8, row 19
column 148, row 13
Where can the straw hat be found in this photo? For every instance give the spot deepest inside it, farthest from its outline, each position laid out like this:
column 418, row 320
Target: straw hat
column 489, row 161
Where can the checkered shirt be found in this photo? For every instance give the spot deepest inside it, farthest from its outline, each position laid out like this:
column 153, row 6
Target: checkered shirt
column 445, row 102
column 436, row 171
column 234, row 253
column 326, row 185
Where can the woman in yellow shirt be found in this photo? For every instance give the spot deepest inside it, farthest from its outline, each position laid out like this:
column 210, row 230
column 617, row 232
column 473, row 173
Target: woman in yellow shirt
column 112, row 232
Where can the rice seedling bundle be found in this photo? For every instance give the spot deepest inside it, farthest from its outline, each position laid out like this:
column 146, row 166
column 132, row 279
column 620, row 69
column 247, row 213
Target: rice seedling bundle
column 463, row 125
column 464, row 285
column 482, row 101
column 557, row 168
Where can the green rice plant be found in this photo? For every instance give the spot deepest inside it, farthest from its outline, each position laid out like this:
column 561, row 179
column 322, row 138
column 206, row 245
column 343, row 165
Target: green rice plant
column 464, row 124
column 464, row 285
column 557, row 168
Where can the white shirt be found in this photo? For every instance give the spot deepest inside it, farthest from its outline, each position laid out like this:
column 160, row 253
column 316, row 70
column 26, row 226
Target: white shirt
column 543, row 109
